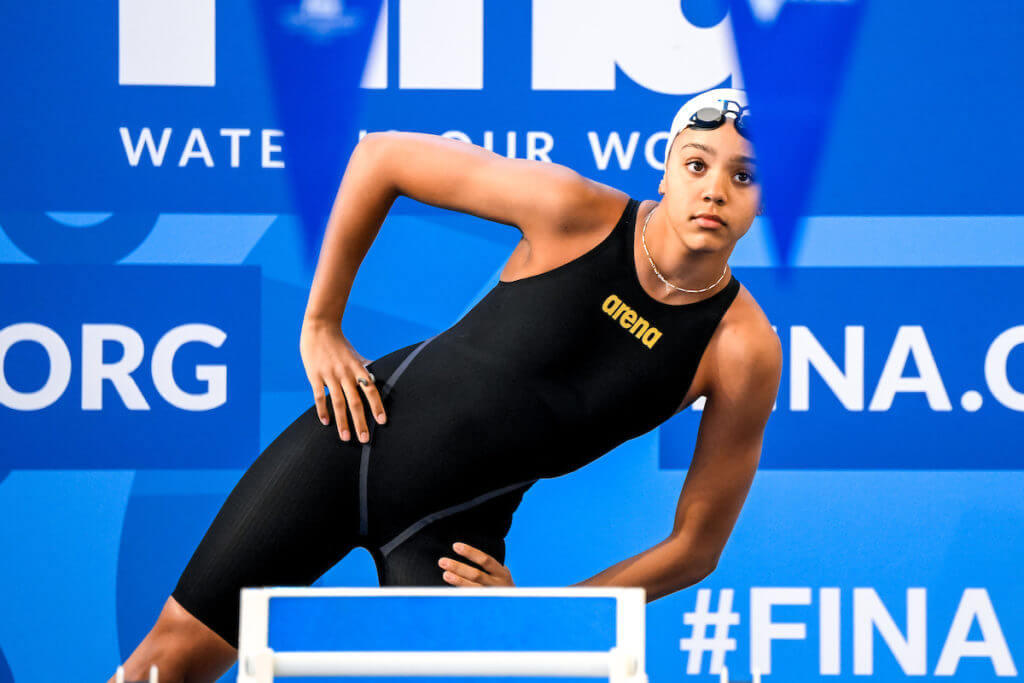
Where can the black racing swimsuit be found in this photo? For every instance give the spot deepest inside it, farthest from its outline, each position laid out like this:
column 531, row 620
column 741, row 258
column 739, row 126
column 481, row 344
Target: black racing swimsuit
column 542, row 376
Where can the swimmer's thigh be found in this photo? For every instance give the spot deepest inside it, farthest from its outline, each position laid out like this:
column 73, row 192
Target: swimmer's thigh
column 290, row 518
column 414, row 562
column 410, row 559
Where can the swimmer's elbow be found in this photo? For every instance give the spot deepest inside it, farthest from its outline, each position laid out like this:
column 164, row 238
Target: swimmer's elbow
column 706, row 570
column 678, row 578
column 698, row 570
column 691, row 564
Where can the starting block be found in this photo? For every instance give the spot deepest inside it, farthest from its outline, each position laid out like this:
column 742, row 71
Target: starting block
column 438, row 631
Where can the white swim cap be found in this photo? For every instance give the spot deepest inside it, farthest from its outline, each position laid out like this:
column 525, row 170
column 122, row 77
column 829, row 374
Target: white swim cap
column 729, row 99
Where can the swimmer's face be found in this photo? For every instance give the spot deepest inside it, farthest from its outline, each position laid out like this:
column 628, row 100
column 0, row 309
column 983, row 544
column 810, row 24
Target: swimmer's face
column 706, row 172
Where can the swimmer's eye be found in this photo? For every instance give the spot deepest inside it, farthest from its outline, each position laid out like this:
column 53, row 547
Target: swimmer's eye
column 750, row 176
column 695, row 161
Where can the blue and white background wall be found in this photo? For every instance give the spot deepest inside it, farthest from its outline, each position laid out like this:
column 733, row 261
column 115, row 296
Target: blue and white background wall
column 165, row 166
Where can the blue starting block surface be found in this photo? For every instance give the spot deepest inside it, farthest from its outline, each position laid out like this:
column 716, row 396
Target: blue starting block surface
column 445, row 622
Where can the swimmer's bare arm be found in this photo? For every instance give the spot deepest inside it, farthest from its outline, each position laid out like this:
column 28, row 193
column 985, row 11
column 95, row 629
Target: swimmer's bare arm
column 729, row 438
column 541, row 199
column 536, row 197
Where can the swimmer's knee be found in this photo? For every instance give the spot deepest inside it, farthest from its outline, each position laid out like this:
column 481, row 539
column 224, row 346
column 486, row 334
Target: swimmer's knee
column 182, row 648
column 174, row 619
column 182, row 630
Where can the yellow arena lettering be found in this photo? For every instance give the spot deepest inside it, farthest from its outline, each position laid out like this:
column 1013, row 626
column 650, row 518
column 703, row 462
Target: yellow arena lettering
column 630, row 320
column 652, row 337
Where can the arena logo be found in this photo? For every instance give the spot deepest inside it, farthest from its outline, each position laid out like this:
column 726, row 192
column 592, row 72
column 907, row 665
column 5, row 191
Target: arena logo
column 631, row 321
column 441, row 46
column 95, row 371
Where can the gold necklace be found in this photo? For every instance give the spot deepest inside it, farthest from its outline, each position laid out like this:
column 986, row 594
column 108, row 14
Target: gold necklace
column 660, row 277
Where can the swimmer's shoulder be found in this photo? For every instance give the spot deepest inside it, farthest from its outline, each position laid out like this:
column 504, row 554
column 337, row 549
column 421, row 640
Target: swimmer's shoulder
column 577, row 210
column 573, row 215
column 550, row 203
column 744, row 354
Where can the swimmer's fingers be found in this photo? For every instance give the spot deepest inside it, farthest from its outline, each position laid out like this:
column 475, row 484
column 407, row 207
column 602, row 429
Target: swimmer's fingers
column 494, row 574
column 355, row 407
column 485, row 561
column 458, row 574
column 459, row 580
column 340, row 412
column 320, row 399
column 373, row 397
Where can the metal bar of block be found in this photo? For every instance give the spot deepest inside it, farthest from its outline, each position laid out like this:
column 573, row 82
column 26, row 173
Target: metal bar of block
column 555, row 664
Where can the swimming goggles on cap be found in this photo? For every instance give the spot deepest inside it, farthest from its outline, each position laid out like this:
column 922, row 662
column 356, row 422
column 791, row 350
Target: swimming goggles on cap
column 707, row 118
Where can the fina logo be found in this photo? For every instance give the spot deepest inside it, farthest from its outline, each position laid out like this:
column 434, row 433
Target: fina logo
column 441, row 44
column 321, row 19
column 574, row 45
column 767, row 11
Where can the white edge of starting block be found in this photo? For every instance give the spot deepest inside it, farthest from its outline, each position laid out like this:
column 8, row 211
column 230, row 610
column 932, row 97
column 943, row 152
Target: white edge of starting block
column 257, row 663
column 154, row 675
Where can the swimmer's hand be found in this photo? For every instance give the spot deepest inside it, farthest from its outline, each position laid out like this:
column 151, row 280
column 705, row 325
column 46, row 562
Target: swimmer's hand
column 459, row 574
column 331, row 361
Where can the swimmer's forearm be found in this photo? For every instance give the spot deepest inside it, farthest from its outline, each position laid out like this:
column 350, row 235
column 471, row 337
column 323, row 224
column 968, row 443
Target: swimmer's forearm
column 363, row 200
column 664, row 569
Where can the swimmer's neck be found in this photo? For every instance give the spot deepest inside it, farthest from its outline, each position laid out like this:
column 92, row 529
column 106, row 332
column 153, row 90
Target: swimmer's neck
column 692, row 265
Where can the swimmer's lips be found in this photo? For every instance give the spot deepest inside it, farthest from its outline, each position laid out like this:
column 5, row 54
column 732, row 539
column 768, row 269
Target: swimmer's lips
column 709, row 220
